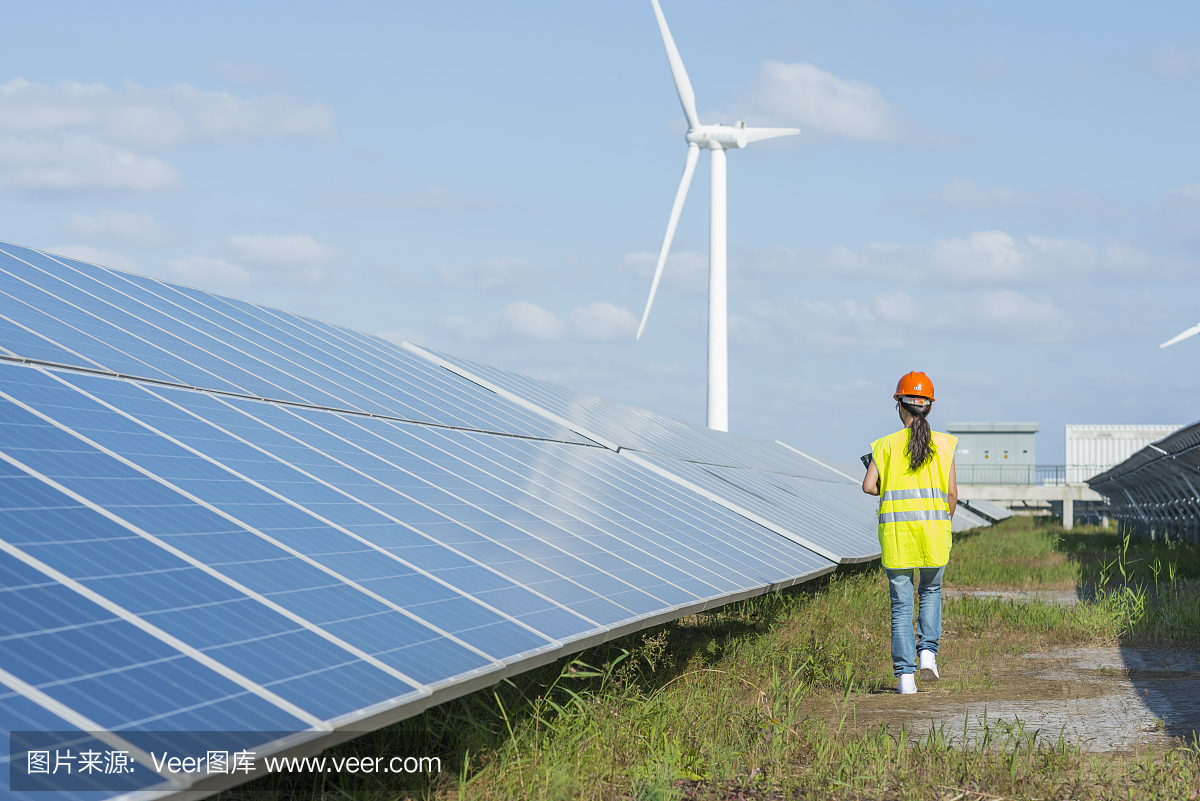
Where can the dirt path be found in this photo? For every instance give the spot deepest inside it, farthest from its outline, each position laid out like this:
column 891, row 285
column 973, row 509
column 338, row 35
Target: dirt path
column 1057, row 597
column 1106, row 699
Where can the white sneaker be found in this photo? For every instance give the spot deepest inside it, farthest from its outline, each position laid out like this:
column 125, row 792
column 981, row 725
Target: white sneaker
column 929, row 671
column 908, row 684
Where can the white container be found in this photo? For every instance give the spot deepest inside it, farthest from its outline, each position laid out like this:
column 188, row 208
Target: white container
column 1093, row 449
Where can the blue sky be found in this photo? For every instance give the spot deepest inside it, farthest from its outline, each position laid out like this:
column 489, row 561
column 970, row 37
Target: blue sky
column 1004, row 196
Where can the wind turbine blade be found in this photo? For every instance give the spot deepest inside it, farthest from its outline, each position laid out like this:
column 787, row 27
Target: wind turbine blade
column 693, row 155
column 759, row 134
column 686, row 96
column 1191, row 332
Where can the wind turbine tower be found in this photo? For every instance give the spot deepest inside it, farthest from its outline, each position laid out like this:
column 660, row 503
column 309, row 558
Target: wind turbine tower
column 717, row 138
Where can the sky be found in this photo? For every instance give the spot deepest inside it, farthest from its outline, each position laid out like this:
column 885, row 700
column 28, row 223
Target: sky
column 1005, row 196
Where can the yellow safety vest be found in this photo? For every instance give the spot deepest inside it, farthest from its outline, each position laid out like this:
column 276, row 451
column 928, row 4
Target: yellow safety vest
column 914, row 508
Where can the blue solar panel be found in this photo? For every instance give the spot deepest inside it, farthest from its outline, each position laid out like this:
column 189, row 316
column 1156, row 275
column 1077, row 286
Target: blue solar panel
column 292, row 527
column 185, row 602
column 226, row 523
column 494, row 520
column 97, row 318
column 112, row 672
column 832, row 514
column 641, row 429
column 811, row 500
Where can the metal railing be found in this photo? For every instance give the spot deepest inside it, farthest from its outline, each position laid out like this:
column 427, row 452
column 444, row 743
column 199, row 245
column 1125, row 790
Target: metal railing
column 1019, row 474
column 1027, row 474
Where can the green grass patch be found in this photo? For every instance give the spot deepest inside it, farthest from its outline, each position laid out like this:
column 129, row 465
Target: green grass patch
column 768, row 698
column 1032, row 553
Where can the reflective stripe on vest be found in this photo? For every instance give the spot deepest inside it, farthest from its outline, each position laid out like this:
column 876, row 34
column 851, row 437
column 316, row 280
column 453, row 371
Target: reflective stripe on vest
column 925, row 514
column 910, row 494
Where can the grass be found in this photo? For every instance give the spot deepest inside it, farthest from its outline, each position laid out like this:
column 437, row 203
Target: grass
column 786, row 695
column 1027, row 553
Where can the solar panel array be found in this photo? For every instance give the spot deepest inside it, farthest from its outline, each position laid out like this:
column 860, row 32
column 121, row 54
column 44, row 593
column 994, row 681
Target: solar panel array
column 218, row 517
column 1156, row 491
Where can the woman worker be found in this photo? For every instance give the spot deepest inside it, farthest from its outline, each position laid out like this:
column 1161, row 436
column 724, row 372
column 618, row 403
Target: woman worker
column 913, row 471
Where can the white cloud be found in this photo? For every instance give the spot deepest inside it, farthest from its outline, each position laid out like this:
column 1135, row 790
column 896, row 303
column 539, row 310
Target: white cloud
column 139, row 230
column 529, row 321
column 492, row 275
column 155, row 118
column 895, row 319
column 519, row 320
column 296, row 257
column 523, row 320
column 685, row 271
column 602, row 321
column 105, row 258
column 74, row 136
column 1175, row 61
column 433, row 198
column 72, row 162
column 983, row 257
column 205, row 272
column 280, row 251
column 821, row 103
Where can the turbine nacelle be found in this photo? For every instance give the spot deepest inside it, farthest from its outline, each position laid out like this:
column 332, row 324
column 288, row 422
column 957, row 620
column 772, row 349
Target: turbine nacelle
column 722, row 136
column 731, row 136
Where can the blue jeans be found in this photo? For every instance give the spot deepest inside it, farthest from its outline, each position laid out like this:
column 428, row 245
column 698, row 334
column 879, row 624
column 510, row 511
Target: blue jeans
column 929, row 615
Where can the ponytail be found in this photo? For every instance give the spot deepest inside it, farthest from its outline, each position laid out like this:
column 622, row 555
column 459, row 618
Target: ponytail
column 920, row 440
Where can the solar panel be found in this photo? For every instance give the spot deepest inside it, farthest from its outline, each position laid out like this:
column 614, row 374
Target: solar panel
column 634, row 428
column 62, row 311
column 807, row 499
column 218, row 519
column 965, row 518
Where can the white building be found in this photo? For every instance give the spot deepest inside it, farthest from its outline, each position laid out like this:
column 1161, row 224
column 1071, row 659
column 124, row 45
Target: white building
column 1093, row 449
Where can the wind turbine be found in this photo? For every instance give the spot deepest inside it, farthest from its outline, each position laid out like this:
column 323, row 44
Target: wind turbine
column 1191, row 332
column 717, row 138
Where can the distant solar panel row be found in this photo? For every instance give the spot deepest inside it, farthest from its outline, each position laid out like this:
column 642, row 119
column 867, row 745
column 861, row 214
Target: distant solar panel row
column 218, row 517
column 815, row 504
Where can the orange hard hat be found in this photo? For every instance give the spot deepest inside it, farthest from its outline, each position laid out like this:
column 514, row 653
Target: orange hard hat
column 914, row 385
